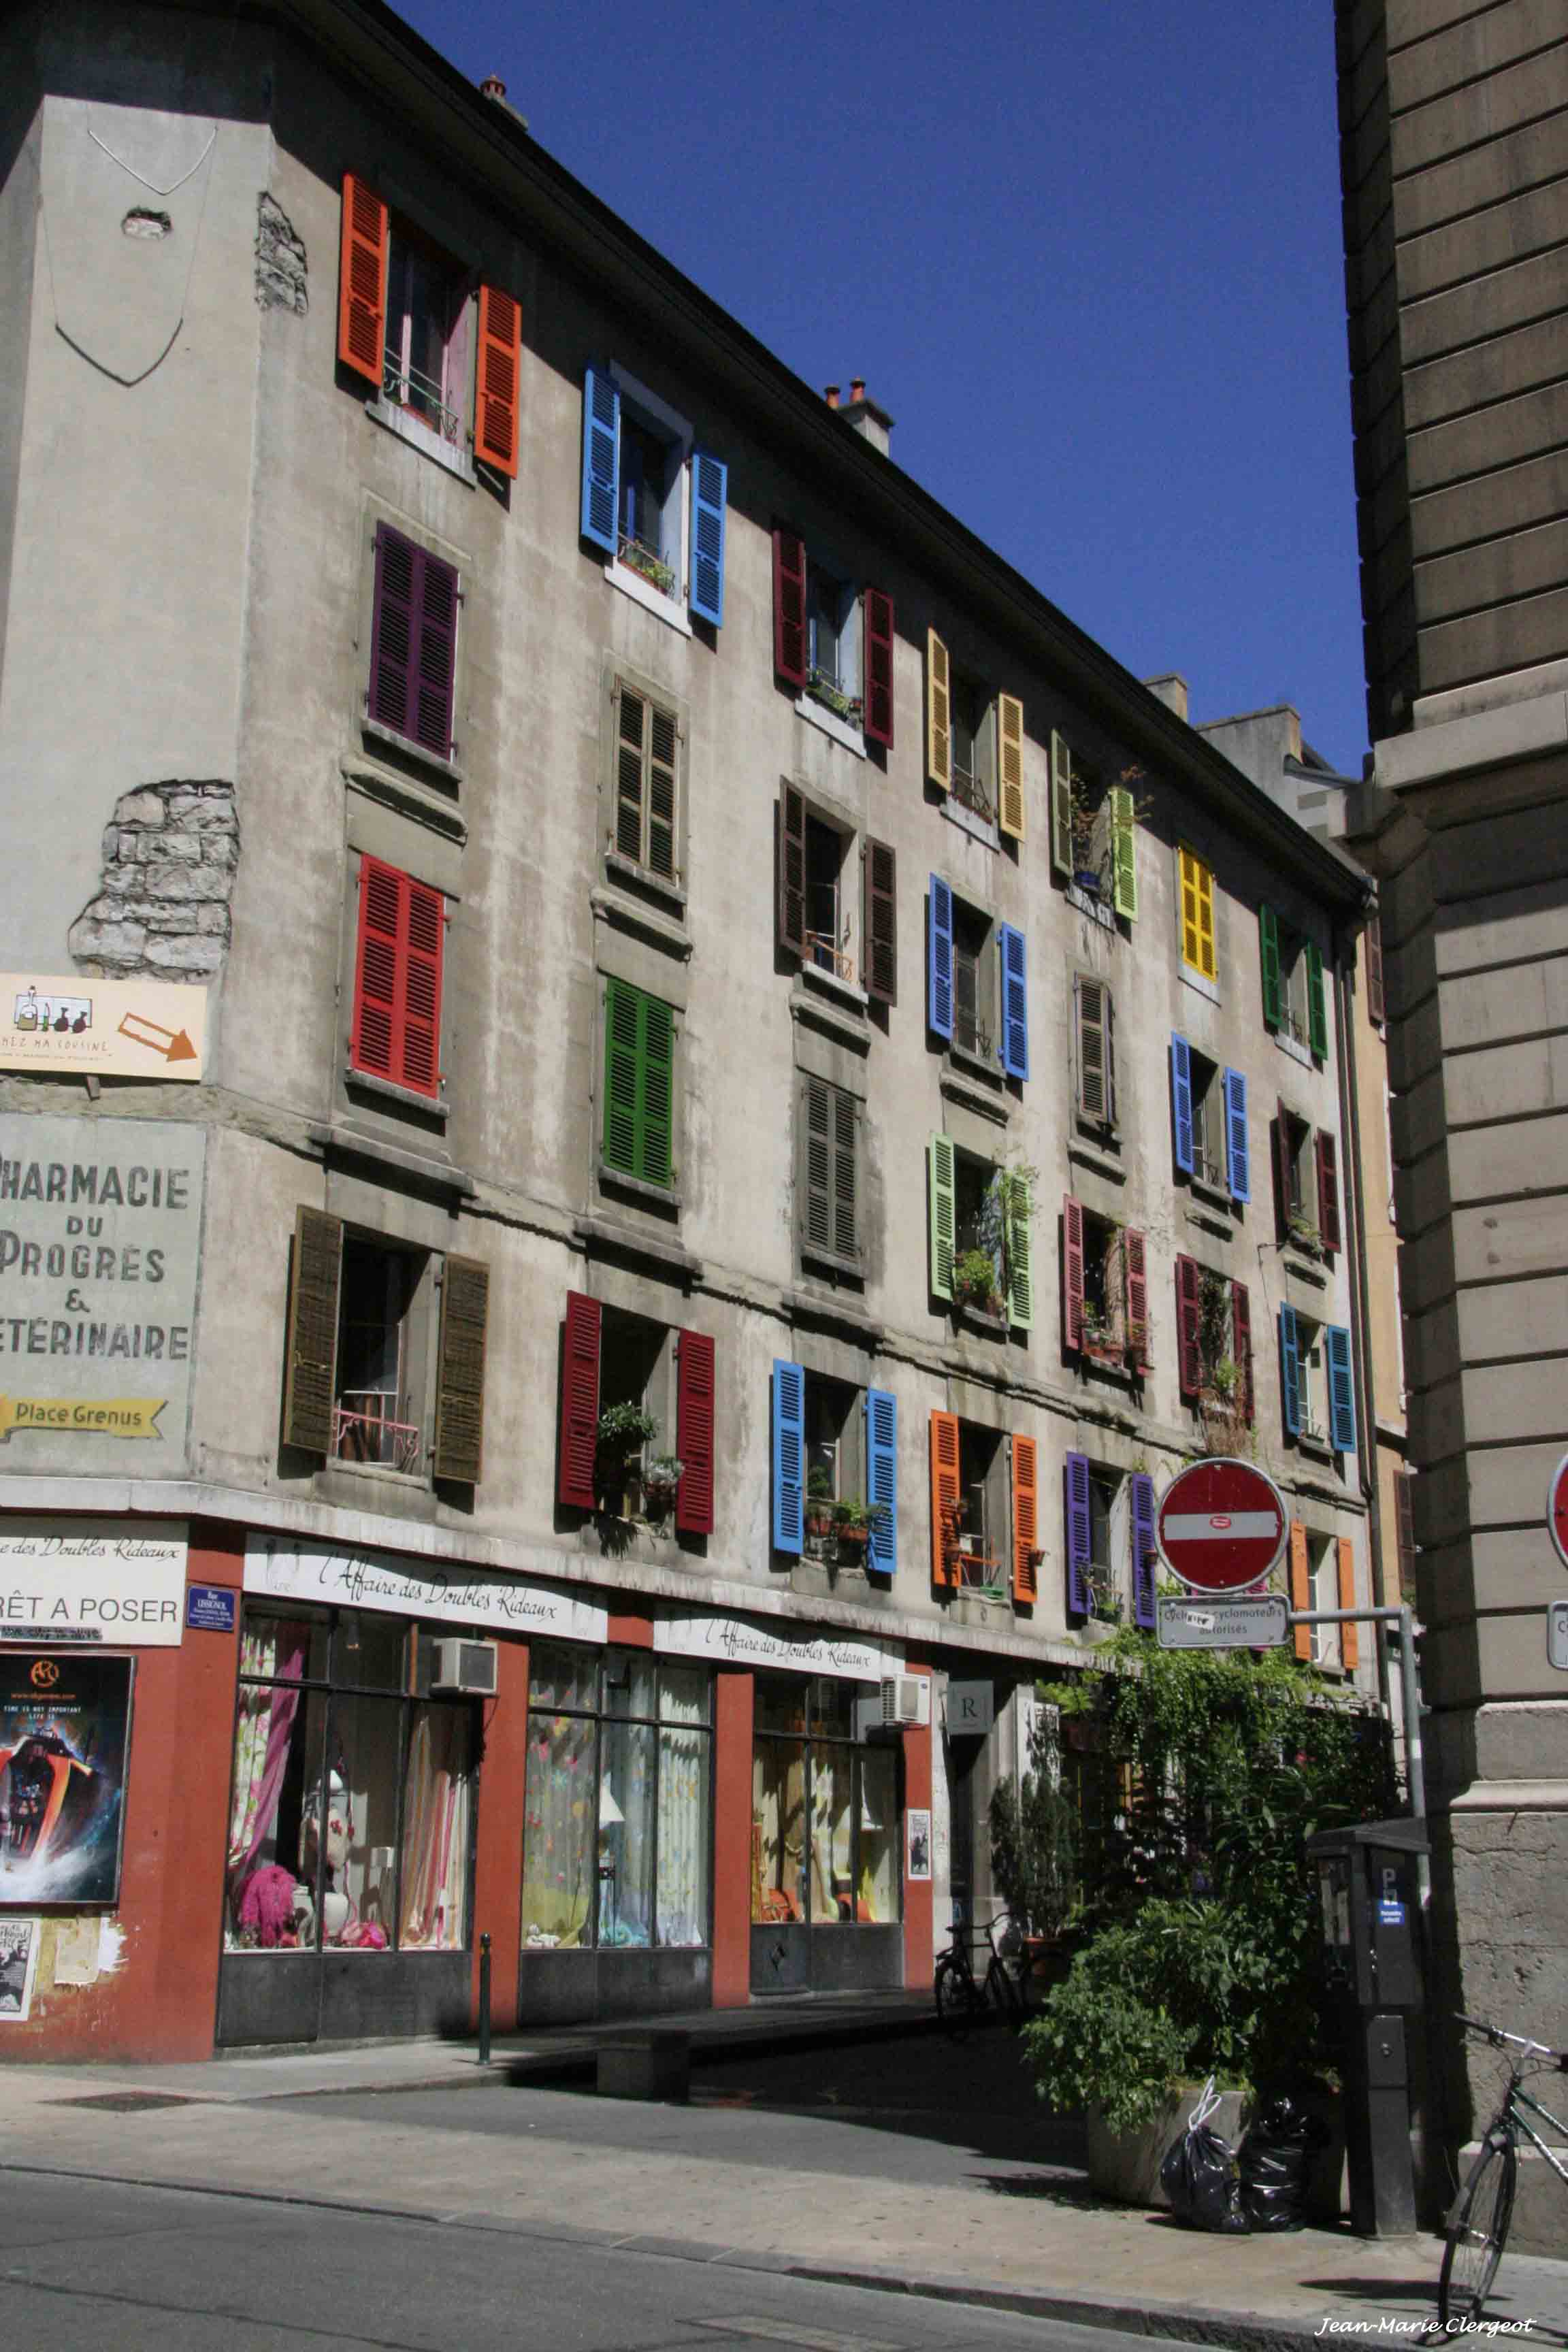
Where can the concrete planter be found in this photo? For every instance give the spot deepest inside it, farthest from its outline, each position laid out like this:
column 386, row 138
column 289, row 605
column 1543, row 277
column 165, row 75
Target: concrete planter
column 1126, row 2164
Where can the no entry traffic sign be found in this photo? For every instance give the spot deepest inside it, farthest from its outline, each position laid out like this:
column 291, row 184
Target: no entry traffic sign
column 1557, row 1509
column 1221, row 1525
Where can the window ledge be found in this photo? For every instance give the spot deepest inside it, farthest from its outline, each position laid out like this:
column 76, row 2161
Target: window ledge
column 1297, row 1051
column 852, row 738
column 1208, row 1223
column 408, row 795
column 435, row 1106
column 816, row 975
column 967, row 822
column 810, row 1255
column 1314, row 1449
column 1097, row 910
column 405, row 426
column 355, row 1142
column 976, row 1066
column 1307, row 1271
column 1202, row 1189
column 614, row 906
column 959, row 1086
column 995, row 1326
column 1096, row 1156
column 652, row 600
column 1109, row 1362
column 658, row 885
column 843, row 1022
column 449, row 768
column 663, row 1196
column 412, row 1481
column 609, row 1234
column 1201, row 982
column 826, row 1307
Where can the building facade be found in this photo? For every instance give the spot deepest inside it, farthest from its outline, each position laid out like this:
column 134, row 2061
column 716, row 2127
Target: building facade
column 729, row 1096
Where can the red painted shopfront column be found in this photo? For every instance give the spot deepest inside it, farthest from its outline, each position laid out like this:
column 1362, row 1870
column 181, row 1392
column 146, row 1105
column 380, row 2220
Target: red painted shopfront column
column 732, row 1699
column 919, row 1944
column 498, row 1850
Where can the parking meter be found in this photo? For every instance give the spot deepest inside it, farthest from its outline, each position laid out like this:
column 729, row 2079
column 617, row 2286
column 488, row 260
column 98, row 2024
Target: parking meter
column 1371, row 1913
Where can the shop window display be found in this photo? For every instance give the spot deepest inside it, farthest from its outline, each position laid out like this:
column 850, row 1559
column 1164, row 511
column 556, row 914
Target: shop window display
column 615, row 1846
column 825, row 1807
column 352, row 1805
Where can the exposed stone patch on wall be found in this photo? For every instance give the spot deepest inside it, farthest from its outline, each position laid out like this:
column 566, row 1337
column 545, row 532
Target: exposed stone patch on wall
column 280, row 270
column 170, row 856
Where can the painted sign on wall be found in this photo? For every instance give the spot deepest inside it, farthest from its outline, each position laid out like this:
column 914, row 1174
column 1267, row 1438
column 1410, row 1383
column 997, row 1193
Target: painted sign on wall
column 112, row 1028
column 100, row 1242
column 92, row 1580
column 739, row 1642
column 278, row 1566
column 65, row 1727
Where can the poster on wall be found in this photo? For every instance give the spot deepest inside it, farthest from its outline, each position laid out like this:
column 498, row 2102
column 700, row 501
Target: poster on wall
column 18, row 1966
column 65, row 1724
column 918, row 1866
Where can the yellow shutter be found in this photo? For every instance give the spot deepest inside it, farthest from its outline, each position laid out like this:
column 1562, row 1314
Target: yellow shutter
column 1010, row 799
column 1197, row 915
column 939, row 713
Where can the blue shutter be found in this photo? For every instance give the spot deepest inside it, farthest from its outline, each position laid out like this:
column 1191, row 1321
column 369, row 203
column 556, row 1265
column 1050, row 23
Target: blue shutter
column 1342, row 1389
column 1182, row 1101
column 600, row 458
column 1235, row 1150
column 939, row 961
column 710, row 482
column 882, row 1478
column 789, row 1457
column 1014, row 1002
column 1290, row 1373
column 1075, row 1483
column 1143, row 1554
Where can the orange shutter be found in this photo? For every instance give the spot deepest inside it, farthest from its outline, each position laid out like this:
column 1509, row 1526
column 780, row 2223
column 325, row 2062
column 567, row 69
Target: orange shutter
column 944, row 1498
column 1300, row 1586
column 1350, row 1648
column 500, row 340
column 1025, row 1519
column 362, row 281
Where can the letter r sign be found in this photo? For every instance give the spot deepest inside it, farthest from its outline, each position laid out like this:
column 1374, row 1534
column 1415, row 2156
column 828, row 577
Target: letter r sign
column 971, row 1709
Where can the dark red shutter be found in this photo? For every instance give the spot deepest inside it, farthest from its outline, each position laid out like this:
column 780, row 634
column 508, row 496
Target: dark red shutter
column 1072, row 1273
column 1189, row 1353
column 694, row 1433
column 1327, row 1191
column 792, row 871
column 1135, row 1257
column 1241, row 1349
column 579, row 1400
column 1372, row 940
column 1282, row 1170
column 496, row 389
column 789, row 606
column 880, row 920
column 879, row 666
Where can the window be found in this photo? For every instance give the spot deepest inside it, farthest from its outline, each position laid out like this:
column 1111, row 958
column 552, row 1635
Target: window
column 617, row 1372
column 984, row 1511
column 644, row 826
column 1105, row 1290
column 1094, row 1054
column 1294, row 1002
column 416, row 601
column 617, row 1802
column 653, row 503
column 1094, row 830
column 409, row 325
column 974, row 742
column 1214, row 1339
column 396, row 1029
column 835, row 1468
column 1317, row 1382
column 977, row 992
column 822, row 916
column 1306, row 1184
column 639, row 1138
column 1323, row 1576
column 1109, row 1547
column 360, row 1376
column 980, row 1218
column 828, row 1176
column 351, row 1823
column 1208, row 1119
column 825, row 1820
column 1196, row 884
column 832, row 641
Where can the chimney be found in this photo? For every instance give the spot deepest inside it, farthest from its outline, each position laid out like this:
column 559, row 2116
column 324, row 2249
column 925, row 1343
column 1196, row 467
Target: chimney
column 830, row 395
column 492, row 86
column 872, row 424
column 1171, row 690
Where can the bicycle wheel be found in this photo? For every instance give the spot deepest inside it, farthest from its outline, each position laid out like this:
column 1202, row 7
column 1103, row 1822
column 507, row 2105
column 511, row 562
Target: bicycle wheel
column 1477, row 2232
column 1004, row 1989
column 954, row 1998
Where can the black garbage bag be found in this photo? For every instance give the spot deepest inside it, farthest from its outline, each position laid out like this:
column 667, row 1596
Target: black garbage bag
column 1199, row 2176
column 1274, row 2160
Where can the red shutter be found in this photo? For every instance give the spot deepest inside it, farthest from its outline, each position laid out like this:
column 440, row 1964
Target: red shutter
column 425, row 924
column 375, row 1045
column 1072, row 1273
column 1189, row 1352
column 1372, row 940
column 789, row 606
column 1025, row 1519
column 496, row 422
column 579, row 1401
column 362, row 281
column 694, row 1433
column 1327, row 1191
column 1135, row 1260
column 1241, row 1349
column 878, row 610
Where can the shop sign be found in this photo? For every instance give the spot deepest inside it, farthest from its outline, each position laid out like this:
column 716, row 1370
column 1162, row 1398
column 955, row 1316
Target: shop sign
column 92, row 1580
column 971, row 1709
column 112, row 1028
column 100, row 1242
column 279, row 1569
column 65, row 1725
column 738, row 1642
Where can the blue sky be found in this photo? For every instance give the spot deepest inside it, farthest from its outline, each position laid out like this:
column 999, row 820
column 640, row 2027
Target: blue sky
column 1086, row 252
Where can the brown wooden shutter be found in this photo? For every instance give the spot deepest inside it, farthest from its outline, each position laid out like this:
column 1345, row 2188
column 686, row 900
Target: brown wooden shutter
column 1241, row 1349
column 309, row 1386
column 817, row 1177
column 1135, row 1264
column 789, row 606
column 1189, row 1351
column 880, row 922
column 1350, row 1646
column 362, row 281
column 1072, row 1273
column 1405, row 1531
column 1025, row 1519
column 579, row 1400
column 879, row 650
column 792, row 871
column 1282, row 1168
column 945, row 1496
column 694, row 1402
column 1300, row 1587
column 1372, row 939
column 496, row 393
column 458, row 1451
column 1327, row 1191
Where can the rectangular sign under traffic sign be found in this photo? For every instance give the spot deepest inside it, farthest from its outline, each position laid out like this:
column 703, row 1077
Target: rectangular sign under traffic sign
column 1557, row 1635
column 1259, row 1621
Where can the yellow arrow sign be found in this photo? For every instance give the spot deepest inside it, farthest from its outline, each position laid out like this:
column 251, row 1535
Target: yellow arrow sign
column 100, row 1417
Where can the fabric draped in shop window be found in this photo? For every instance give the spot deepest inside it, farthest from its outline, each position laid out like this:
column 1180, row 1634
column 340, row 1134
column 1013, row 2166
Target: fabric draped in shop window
column 559, row 1836
column 436, row 1797
column 682, row 1809
column 262, row 1733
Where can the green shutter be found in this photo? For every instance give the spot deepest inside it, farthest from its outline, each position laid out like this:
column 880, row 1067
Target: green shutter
column 639, row 1054
column 621, row 1076
column 1317, row 1010
column 655, row 1087
column 1061, row 806
column 1269, row 948
column 942, row 1201
column 1123, row 852
column 1020, row 1277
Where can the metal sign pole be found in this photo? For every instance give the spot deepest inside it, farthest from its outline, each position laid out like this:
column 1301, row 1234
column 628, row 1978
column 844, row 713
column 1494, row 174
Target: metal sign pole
column 1410, row 1695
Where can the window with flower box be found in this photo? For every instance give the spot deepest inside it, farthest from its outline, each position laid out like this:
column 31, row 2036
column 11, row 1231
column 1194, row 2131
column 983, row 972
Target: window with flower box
column 1109, row 1544
column 834, row 1471
column 636, row 1429
column 652, row 501
column 833, row 641
column 1214, row 1351
column 1306, row 1184
column 984, row 1511
column 1105, row 1290
column 980, row 1218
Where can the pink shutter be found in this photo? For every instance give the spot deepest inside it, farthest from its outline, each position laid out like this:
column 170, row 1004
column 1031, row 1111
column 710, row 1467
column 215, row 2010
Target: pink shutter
column 694, row 1433
column 879, row 666
column 1072, row 1273
column 789, row 606
column 1189, row 1354
column 579, row 1400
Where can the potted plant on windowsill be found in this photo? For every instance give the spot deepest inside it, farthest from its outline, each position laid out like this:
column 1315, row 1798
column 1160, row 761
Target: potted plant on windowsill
column 825, row 688
column 852, row 1529
column 622, row 1431
column 819, row 1502
column 660, row 1481
column 1102, row 1338
column 974, row 1284
column 1304, row 1235
column 648, row 565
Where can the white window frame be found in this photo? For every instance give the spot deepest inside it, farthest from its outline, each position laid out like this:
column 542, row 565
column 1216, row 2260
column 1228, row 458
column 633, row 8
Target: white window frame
column 657, row 417
column 849, row 639
column 1323, row 1588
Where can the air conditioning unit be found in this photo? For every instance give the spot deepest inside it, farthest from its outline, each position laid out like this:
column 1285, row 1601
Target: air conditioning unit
column 466, row 1666
column 906, row 1698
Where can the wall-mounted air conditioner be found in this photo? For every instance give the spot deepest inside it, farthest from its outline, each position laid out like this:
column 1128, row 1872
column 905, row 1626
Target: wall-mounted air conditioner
column 466, row 1666
column 906, row 1698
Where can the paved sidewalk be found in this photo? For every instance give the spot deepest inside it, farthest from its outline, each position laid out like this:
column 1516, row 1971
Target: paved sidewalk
column 987, row 2203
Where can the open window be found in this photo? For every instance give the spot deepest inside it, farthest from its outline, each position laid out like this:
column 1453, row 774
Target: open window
column 1109, row 1545
column 1323, row 1576
column 975, row 745
column 984, row 1511
column 1105, row 1290
column 1208, row 1122
column 837, row 898
column 1294, row 1004
column 833, row 641
column 834, row 1471
column 1094, row 830
column 977, row 994
column 1317, row 1382
column 1213, row 1348
column 384, row 1362
column 980, row 1218
column 651, row 502
column 1306, row 1184
column 636, row 1417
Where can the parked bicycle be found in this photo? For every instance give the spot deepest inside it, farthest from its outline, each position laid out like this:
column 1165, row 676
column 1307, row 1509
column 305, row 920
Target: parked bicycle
column 1478, row 2220
column 961, row 1997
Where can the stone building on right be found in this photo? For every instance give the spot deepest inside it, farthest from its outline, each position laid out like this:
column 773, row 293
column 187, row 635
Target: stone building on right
column 1454, row 155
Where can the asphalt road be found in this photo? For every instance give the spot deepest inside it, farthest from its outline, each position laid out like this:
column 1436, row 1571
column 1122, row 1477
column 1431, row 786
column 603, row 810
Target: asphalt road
column 90, row 2264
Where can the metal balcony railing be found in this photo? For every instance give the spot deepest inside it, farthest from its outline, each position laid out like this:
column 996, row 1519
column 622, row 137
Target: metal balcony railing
column 970, row 793
column 822, row 951
column 647, row 563
column 365, row 1430
column 831, row 690
column 409, row 389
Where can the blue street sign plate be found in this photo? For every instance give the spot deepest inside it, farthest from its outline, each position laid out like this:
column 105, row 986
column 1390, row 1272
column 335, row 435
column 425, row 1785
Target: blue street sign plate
column 210, row 1608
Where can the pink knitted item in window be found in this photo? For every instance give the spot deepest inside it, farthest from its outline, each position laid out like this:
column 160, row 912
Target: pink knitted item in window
column 268, row 1904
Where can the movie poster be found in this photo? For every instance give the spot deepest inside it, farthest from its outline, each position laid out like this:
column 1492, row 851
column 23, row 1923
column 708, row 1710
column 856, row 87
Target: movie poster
column 18, row 1966
column 65, row 1721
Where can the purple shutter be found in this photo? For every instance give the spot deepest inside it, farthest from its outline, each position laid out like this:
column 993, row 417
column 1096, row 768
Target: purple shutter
column 413, row 642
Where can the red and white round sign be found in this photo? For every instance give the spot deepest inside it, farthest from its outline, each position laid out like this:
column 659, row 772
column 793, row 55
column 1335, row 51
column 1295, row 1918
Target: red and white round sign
column 1221, row 1525
column 1557, row 1509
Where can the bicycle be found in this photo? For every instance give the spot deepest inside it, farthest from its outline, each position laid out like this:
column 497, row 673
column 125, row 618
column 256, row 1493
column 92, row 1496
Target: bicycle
column 961, row 1997
column 1478, row 2222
